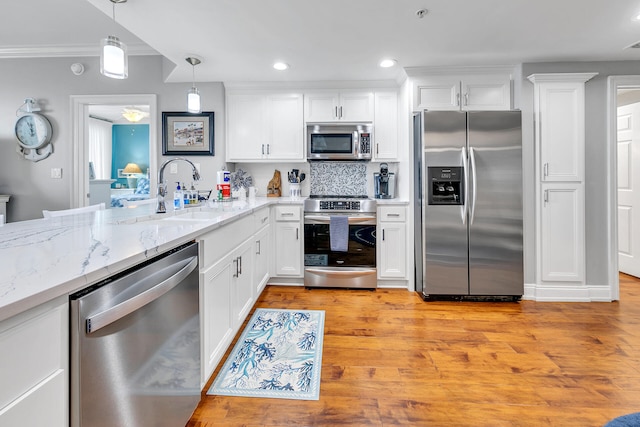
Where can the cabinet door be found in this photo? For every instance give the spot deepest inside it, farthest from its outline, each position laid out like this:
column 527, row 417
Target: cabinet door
column 561, row 126
column 356, row 107
column 321, row 107
column 385, row 135
column 437, row 93
column 246, row 124
column 242, row 285
column 261, row 261
column 486, row 93
column 562, row 248
column 286, row 127
column 392, row 250
column 288, row 244
column 216, row 316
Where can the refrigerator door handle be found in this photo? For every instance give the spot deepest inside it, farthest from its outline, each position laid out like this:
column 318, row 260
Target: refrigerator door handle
column 472, row 157
column 465, row 202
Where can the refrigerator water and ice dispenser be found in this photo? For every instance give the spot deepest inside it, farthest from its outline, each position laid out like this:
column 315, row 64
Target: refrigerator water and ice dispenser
column 446, row 186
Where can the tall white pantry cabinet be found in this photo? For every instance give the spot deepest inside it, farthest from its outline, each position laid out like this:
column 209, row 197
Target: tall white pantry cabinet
column 559, row 134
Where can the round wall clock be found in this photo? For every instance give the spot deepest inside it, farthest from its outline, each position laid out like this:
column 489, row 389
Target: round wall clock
column 33, row 130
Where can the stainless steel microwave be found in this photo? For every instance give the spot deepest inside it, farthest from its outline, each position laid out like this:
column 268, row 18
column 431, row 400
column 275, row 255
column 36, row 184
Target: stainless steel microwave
column 339, row 141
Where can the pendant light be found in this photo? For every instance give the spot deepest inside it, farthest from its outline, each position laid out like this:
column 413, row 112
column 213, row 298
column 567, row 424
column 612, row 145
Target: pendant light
column 193, row 96
column 113, row 55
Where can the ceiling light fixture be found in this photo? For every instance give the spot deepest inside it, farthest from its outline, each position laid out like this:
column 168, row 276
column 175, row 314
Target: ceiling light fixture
column 193, row 96
column 113, row 55
column 133, row 114
column 387, row 63
column 280, row 66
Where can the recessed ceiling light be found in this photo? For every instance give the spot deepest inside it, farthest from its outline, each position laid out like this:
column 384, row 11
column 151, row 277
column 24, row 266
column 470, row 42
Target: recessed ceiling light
column 280, row 66
column 386, row 63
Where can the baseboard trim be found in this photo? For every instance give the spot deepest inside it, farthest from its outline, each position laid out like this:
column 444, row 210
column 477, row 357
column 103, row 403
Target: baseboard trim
column 566, row 293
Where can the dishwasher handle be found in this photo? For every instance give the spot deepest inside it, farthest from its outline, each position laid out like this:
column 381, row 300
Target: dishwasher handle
column 100, row 320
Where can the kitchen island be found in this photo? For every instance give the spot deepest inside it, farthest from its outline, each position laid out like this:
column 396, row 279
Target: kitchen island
column 43, row 261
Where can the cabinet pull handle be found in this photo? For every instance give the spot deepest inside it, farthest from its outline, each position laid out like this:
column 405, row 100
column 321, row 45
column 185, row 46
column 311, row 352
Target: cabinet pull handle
column 383, row 234
column 458, row 99
column 236, row 263
column 264, row 219
column 377, row 149
column 340, row 112
column 287, row 214
column 268, row 149
column 393, row 214
column 263, row 149
column 466, row 98
column 239, row 265
column 545, row 170
column 336, row 114
column 546, row 196
column 297, row 232
column 259, row 247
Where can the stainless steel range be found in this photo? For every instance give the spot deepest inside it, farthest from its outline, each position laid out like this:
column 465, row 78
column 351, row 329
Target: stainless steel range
column 340, row 242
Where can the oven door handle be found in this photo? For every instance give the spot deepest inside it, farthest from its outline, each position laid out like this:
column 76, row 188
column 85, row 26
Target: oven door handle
column 352, row 219
column 177, row 273
column 340, row 272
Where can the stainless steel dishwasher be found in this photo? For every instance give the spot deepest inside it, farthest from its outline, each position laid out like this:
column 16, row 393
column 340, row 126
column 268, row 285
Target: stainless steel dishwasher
column 135, row 345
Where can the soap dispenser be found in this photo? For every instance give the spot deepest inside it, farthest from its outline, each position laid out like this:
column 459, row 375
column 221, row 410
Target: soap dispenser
column 178, row 202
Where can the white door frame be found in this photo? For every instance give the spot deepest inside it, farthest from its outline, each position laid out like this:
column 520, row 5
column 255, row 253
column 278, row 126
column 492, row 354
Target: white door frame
column 80, row 133
column 613, row 84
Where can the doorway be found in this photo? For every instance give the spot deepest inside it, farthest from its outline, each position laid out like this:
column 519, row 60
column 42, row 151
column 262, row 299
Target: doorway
column 628, row 178
column 616, row 85
column 81, row 106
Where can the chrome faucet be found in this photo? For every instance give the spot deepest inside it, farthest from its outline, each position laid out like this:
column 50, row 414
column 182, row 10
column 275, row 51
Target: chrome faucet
column 162, row 186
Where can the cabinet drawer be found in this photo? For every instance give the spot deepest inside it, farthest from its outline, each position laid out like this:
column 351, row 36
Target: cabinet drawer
column 33, row 350
column 261, row 218
column 287, row 213
column 216, row 244
column 392, row 214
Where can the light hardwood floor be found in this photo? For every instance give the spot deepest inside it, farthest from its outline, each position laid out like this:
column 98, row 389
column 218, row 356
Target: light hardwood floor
column 391, row 359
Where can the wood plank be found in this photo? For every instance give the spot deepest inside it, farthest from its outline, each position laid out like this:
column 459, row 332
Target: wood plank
column 392, row 359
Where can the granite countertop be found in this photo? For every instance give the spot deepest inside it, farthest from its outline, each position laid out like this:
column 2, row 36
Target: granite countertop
column 43, row 259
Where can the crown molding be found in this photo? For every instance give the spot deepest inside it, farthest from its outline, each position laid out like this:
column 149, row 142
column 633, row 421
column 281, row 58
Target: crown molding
column 61, row 51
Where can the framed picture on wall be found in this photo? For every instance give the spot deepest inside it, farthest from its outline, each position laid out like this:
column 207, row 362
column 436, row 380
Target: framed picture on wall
column 188, row 134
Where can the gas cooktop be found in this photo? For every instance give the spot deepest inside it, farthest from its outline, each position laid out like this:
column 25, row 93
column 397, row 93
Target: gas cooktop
column 335, row 196
column 351, row 204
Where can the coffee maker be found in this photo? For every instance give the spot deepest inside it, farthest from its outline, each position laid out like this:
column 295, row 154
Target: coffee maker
column 384, row 183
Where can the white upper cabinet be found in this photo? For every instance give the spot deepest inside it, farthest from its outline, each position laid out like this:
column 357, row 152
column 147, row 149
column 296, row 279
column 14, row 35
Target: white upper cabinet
column 385, row 136
column 462, row 92
column 350, row 106
column 265, row 127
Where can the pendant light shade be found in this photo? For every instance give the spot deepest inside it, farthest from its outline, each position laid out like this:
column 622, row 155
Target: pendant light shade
column 193, row 96
column 114, row 61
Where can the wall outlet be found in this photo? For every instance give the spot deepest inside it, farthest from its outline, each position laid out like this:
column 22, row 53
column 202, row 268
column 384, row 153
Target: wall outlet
column 56, row 173
column 173, row 168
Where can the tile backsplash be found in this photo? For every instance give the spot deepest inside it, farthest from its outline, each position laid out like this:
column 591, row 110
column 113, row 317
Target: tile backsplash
column 338, row 178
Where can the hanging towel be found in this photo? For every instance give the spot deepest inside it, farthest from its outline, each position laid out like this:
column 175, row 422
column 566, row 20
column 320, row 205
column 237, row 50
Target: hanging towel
column 339, row 233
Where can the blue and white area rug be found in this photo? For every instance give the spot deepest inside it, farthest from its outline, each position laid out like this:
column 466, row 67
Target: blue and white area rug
column 278, row 355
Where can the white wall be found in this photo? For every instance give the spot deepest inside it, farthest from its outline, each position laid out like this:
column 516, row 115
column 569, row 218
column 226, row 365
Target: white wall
column 51, row 82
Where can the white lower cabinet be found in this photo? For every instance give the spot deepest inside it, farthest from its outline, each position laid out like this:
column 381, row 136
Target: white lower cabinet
column 261, row 263
column 288, row 241
column 562, row 233
column 34, row 359
column 242, row 296
column 217, row 330
column 392, row 242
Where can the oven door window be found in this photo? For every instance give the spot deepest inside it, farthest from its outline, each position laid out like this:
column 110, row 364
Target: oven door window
column 339, row 143
column 361, row 250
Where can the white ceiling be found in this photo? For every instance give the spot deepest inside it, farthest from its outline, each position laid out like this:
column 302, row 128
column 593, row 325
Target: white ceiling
column 337, row 40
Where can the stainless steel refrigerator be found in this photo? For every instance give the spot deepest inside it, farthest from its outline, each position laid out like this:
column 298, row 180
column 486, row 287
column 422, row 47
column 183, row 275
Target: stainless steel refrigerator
column 469, row 204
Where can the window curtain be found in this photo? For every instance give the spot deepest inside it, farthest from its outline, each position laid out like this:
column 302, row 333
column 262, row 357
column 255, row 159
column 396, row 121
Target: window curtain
column 100, row 147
